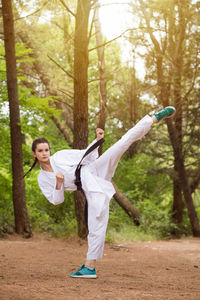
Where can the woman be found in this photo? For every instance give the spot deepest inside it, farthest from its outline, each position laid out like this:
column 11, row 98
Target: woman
column 58, row 175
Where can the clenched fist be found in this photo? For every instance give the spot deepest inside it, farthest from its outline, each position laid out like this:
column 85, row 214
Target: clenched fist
column 99, row 133
column 59, row 180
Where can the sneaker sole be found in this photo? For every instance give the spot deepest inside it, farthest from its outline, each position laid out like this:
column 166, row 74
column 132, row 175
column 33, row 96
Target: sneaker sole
column 84, row 276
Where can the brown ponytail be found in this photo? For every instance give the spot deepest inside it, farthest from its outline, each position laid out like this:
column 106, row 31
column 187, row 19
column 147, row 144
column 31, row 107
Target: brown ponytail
column 34, row 145
column 33, row 165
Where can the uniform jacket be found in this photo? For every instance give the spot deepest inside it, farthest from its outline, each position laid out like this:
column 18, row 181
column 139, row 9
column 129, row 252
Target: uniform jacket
column 97, row 189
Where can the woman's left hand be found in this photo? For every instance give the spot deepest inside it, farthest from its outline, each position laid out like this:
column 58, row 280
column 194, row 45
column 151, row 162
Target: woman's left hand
column 99, row 133
column 59, row 180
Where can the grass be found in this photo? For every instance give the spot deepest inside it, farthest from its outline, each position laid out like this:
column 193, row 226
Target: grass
column 130, row 233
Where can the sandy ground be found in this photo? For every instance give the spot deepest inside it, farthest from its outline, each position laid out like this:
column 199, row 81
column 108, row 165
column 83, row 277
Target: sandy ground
column 38, row 269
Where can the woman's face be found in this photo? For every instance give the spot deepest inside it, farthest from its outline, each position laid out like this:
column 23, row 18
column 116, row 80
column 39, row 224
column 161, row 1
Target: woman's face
column 42, row 152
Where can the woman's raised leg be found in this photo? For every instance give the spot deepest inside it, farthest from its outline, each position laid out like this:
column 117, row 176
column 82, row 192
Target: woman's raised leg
column 108, row 161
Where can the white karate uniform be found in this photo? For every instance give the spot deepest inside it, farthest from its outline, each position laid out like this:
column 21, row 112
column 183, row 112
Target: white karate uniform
column 96, row 174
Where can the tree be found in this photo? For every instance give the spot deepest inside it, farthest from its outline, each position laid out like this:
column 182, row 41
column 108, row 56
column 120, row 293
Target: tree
column 81, row 97
column 167, row 53
column 102, row 70
column 22, row 225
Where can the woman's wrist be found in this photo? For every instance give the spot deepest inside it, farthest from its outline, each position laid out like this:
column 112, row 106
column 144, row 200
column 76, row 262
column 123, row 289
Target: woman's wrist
column 58, row 185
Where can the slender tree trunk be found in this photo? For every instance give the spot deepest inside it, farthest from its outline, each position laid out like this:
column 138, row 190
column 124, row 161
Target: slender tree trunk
column 134, row 98
column 184, row 181
column 177, row 212
column 102, row 71
column 81, row 98
column 177, row 209
column 22, row 225
column 127, row 206
column 177, row 206
column 176, row 53
column 123, row 201
column 81, row 75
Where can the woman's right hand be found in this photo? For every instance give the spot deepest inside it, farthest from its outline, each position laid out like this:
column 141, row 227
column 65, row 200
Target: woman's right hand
column 59, row 180
column 99, row 134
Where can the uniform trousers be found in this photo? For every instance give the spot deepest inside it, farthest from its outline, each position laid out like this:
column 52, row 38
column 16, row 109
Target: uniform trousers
column 105, row 167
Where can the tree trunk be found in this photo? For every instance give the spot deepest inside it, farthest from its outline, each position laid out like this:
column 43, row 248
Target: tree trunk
column 127, row 206
column 178, row 63
column 102, row 71
column 22, row 225
column 80, row 211
column 177, row 209
column 184, row 181
column 81, row 97
column 119, row 196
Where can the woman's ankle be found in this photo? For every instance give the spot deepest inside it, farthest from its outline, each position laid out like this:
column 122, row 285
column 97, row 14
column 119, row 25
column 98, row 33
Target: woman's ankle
column 90, row 264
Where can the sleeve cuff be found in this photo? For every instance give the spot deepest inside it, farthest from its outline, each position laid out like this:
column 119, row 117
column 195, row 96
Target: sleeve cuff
column 58, row 196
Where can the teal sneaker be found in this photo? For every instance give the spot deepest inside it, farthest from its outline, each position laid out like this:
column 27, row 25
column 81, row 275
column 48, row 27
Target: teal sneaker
column 84, row 272
column 166, row 112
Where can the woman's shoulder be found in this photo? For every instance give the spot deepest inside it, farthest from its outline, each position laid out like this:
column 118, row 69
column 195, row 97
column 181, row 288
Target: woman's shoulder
column 66, row 151
column 45, row 176
column 70, row 155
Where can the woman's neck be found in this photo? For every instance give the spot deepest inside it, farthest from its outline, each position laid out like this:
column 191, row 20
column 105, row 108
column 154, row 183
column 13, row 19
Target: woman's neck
column 46, row 166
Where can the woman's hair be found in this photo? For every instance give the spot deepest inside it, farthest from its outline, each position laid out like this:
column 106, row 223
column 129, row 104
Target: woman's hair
column 34, row 146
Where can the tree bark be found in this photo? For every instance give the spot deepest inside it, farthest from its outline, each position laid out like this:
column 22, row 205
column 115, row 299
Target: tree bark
column 80, row 112
column 63, row 130
column 184, row 181
column 176, row 52
column 81, row 75
column 127, row 206
column 177, row 209
column 102, row 71
column 22, row 225
column 80, row 211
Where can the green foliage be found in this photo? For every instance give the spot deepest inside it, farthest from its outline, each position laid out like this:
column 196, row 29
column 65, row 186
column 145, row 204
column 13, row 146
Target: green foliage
column 150, row 193
column 6, row 206
column 58, row 220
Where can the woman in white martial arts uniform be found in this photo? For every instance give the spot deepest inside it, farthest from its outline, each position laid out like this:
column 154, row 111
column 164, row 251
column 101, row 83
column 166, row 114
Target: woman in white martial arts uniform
column 58, row 175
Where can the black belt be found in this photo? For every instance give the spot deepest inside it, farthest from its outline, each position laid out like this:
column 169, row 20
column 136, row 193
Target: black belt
column 78, row 169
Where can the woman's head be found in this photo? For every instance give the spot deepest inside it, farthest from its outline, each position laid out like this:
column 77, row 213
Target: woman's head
column 39, row 141
column 41, row 149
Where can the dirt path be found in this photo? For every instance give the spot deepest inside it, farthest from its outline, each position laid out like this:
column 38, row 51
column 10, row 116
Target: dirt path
column 38, row 268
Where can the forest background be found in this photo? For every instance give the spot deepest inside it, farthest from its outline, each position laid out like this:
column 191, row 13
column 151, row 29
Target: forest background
column 71, row 79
